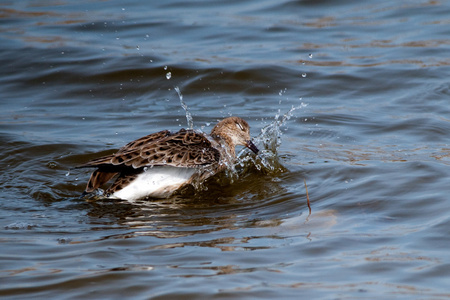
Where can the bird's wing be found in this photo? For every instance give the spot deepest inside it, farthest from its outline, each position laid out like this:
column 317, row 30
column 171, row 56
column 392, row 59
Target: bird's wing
column 185, row 148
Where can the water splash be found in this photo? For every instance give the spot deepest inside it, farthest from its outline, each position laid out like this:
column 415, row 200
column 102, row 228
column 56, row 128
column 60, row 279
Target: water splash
column 190, row 121
column 268, row 142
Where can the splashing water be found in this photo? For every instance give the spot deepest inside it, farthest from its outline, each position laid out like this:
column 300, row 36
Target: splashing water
column 190, row 121
column 268, row 141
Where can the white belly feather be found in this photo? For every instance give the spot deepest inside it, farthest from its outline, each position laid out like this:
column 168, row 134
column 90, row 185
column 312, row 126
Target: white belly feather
column 157, row 182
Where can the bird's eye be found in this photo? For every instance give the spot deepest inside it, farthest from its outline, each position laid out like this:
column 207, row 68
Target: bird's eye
column 239, row 126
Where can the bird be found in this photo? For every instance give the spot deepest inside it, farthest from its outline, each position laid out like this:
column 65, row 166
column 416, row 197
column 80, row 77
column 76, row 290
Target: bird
column 159, row 164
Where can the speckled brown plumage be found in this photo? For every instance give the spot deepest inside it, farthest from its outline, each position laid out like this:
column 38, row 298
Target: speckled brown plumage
column 184, row 149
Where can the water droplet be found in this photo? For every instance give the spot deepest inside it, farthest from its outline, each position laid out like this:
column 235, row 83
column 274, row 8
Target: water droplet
column 165, row 67
column 68, row 173
column 310, row 55
column 304, row 75
column 137, row 48
column 123, row 8
column 62, row 52
column 168, row 75
column 52, row 164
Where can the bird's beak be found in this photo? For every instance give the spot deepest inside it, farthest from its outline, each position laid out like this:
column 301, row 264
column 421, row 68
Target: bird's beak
column 249, row 144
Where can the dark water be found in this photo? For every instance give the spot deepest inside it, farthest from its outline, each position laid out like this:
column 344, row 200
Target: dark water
column 82, row 78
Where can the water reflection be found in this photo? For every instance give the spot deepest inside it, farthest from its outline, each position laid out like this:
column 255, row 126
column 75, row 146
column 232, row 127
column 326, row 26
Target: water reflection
column 214, row 210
